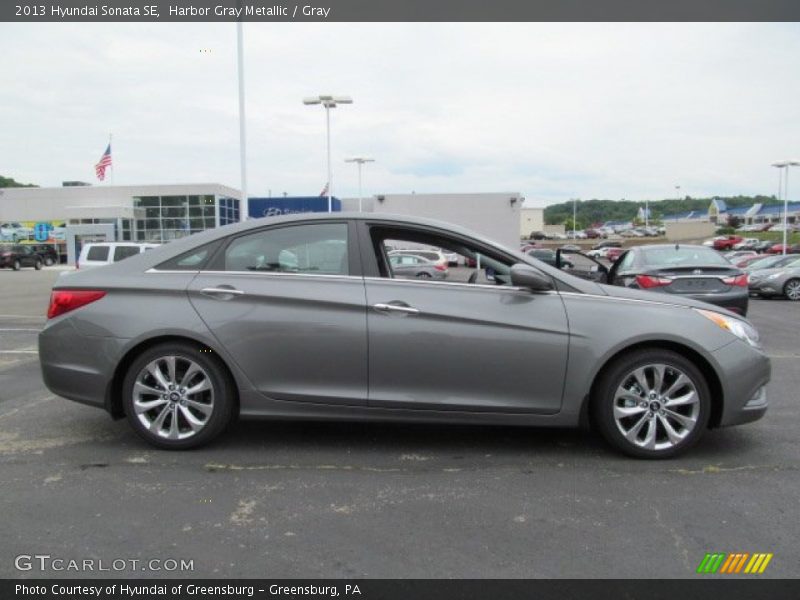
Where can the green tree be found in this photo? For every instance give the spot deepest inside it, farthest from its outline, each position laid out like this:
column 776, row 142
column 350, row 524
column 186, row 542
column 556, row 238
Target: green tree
column 8, row 182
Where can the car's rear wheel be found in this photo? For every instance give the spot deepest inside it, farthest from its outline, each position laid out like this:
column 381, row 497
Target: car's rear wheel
column 17, row 265
column 423, row 275
column 48, row 262
column 652, row 403
column 176, row 396
column 791, row 289
column 37, row 265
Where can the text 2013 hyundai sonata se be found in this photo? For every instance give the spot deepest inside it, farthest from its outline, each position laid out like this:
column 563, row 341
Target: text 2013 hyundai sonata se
column 302, row 317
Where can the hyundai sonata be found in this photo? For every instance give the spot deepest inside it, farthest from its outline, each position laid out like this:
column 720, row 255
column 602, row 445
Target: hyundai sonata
column 303, row 317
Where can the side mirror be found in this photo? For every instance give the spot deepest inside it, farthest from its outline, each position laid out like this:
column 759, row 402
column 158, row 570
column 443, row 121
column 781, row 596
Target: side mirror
column 527, row 277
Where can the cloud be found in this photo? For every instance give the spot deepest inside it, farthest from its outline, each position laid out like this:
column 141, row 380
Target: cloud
column 552, row 110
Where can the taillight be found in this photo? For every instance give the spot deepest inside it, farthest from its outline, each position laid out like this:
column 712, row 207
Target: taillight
column 740, row 280
column 440, row 267
column 63, row 301
column 646, row 281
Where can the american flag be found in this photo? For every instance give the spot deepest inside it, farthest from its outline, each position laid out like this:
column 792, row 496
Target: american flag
column 324, row 191
column 105, row 161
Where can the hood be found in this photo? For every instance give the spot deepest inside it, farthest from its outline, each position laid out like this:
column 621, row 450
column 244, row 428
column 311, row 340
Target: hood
column 658, row 298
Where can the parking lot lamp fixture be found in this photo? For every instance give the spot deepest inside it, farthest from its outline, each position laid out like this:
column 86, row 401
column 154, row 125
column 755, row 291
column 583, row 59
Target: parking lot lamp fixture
column 328, row 102
column 359, row 160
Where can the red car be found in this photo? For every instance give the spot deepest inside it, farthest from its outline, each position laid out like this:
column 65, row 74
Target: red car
column 727, row 242
column 778, row 249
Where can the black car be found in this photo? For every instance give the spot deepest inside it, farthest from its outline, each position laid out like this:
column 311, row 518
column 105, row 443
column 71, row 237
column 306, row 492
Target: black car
column 48, row 254
column 607, row 244
column 17, row 256
column 698, row 272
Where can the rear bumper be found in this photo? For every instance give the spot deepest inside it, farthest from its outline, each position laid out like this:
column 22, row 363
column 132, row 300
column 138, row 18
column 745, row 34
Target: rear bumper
column 77, row 367
column 744, row 373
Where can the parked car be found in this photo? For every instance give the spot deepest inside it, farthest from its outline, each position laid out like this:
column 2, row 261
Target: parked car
column 339, row 337
column 778, row 249
column 747, row 244
column 14, row 232
column 781, row 280
column 598, row 252
column 16, row 256
column 413, row 266
column 105, row 253
column 735, row 255
column 613, row 253
column 769, row 262
column 594, row 234
column 525, row 247
column 538, row 235
column 763, row 246
column 435, row 256
column 571, row 248
column 607, row 244
column 548, row 256
column 697, row 272
column 726, row 242
column 47, row 252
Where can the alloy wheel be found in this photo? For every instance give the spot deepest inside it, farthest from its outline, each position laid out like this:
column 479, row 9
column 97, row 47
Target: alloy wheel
column 173, row 397
column 656, row 406
column 792, row 289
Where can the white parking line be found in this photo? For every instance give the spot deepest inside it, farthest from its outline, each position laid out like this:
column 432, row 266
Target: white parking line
column 19, row 329
column 19, row 352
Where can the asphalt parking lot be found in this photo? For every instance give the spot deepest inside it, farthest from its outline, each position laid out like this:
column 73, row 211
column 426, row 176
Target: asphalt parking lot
column 364, row 500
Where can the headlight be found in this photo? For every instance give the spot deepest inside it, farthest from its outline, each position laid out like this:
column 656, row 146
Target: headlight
column 744, row 331
column 775, row 276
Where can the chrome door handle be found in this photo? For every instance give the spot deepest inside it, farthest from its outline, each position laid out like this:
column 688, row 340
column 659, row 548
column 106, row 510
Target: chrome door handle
column 222, row 291
column 396, row 308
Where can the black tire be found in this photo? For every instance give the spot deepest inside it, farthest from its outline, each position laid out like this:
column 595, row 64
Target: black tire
column 37, row 265
column 49, row 262
column 788, row 289
column 423, row 275
column 225, row 405
column 17, row 265
column 616, row 374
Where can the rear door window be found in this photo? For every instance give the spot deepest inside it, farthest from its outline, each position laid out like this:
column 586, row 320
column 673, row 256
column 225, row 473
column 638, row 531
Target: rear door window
column 306, row 249
column 121, row 252
column 99, row 253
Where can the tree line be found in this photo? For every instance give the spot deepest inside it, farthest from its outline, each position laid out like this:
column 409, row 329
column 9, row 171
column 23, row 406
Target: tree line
column 598, row 211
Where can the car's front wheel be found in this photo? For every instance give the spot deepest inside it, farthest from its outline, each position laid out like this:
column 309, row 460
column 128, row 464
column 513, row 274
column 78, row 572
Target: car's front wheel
column 37, row 265
column 792, row 289
column 178, row 396
column 652, row 403
column 17, row 265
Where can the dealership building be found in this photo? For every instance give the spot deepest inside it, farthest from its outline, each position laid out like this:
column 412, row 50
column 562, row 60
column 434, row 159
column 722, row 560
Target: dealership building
column 74, row 214
column 69, row 216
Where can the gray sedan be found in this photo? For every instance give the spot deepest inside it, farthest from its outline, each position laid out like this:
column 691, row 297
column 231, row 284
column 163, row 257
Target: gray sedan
column 777, row 281
column 183, row 339
column 414, row 266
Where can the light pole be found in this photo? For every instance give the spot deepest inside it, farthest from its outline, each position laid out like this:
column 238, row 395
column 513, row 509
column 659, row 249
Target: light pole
column 574, row 216
column 785, row 164
column 329, row 102
column 359, row 160
column 244, row 202
column 647, row 214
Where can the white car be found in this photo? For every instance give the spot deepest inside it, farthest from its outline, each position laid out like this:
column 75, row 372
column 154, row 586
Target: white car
column 435, row 256
column 105, row 253
column 746, row 243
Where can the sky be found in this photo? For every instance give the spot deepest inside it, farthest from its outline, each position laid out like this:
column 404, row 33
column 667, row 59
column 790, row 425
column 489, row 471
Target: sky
column 553, row 111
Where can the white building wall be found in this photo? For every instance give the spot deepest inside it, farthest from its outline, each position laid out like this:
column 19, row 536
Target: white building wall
column 530, row 220
column 494, row 215
column 86, row 202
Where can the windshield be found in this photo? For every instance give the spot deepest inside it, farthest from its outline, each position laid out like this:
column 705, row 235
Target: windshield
column 682, row 256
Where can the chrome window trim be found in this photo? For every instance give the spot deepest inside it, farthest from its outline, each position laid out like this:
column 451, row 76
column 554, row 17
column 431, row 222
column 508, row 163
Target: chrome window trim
column 469, row 286
column 619, row 299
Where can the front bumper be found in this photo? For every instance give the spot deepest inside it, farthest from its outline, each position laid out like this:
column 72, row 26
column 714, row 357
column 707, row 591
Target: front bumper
column 744, row 374
column 766, row 287
column 736, row 301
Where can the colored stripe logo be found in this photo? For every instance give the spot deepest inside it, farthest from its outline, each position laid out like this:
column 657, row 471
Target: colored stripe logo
column 734, row 563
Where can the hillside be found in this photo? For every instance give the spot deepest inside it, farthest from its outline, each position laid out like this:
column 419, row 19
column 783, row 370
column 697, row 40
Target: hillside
column 8, row 182
column 598, row 211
